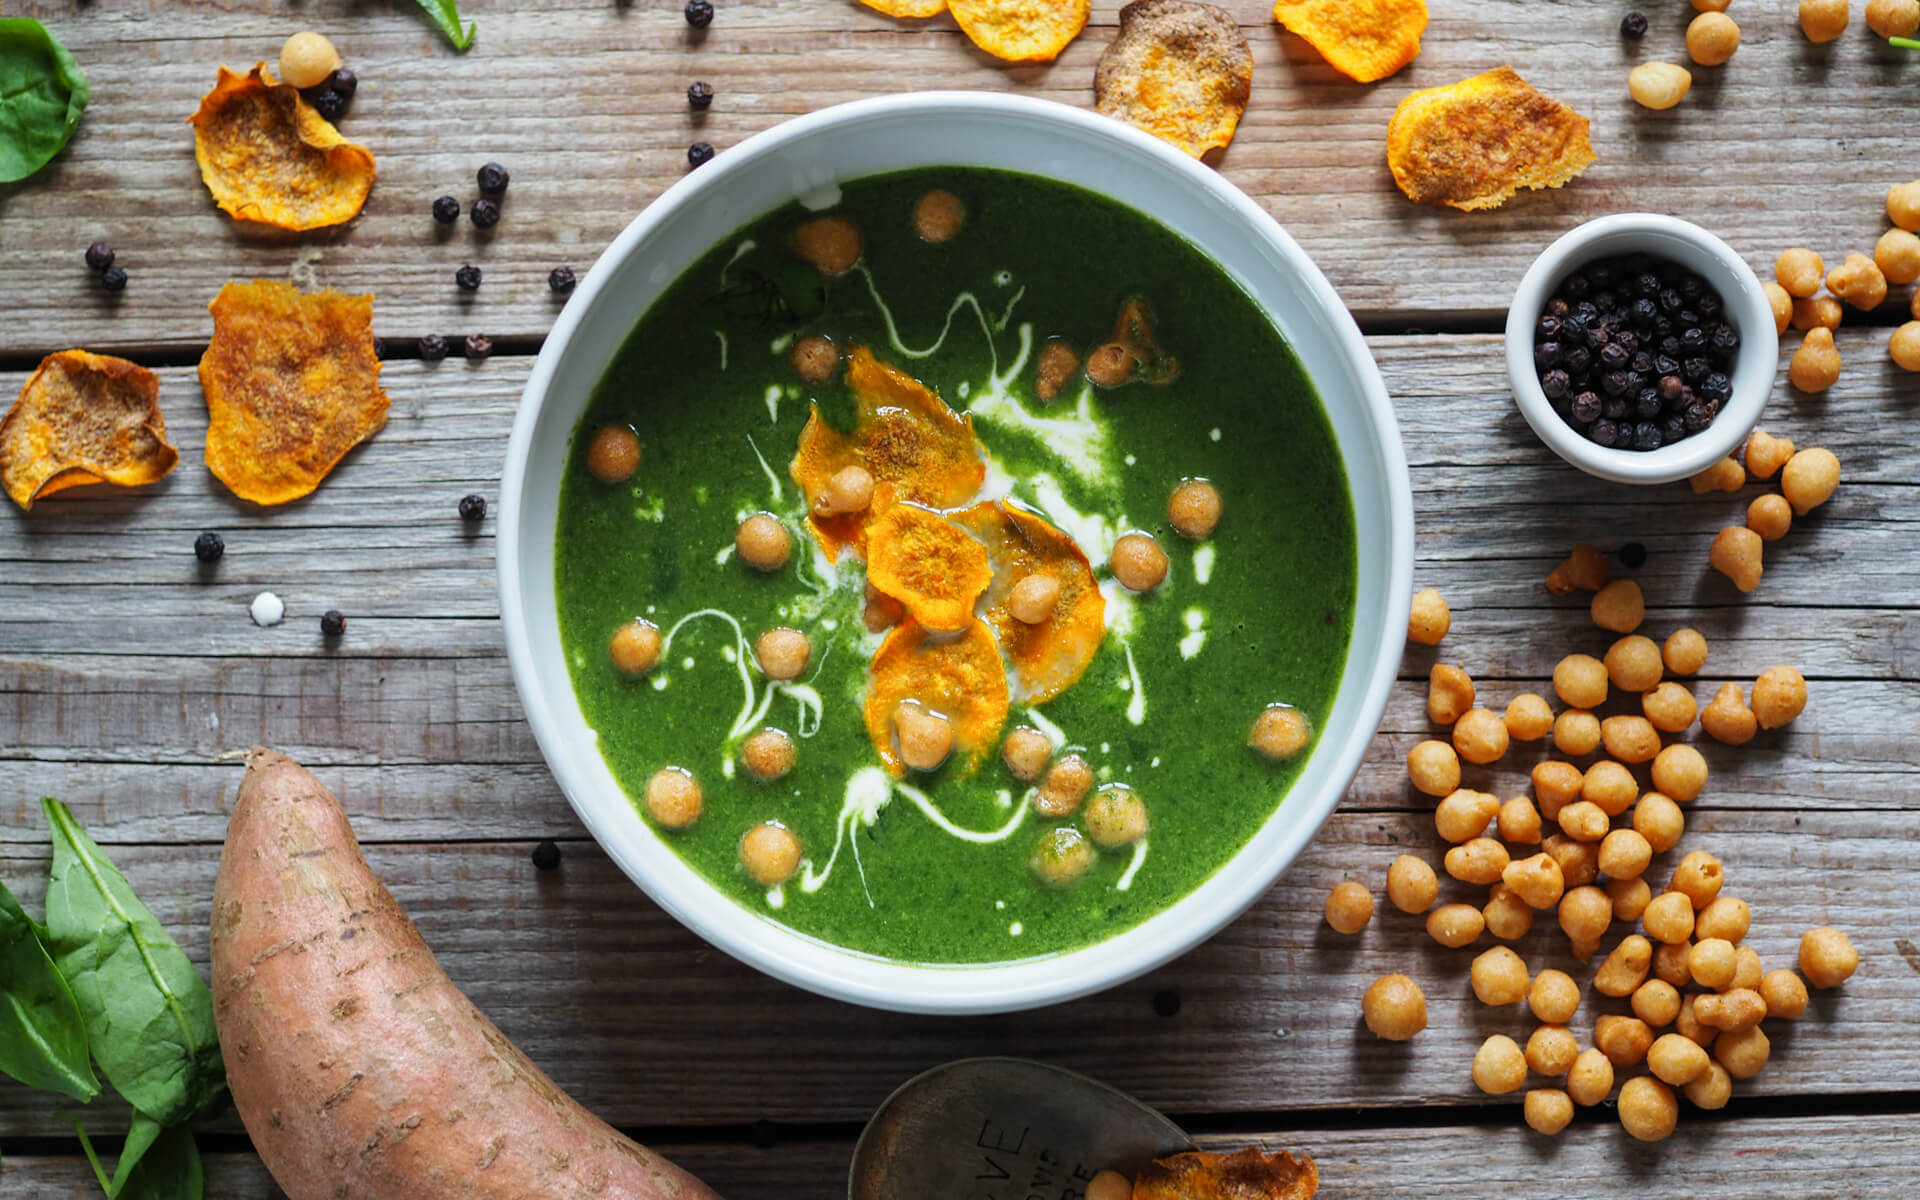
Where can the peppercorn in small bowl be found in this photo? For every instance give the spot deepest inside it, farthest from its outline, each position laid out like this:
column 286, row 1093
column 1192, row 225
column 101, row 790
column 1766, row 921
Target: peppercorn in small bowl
column 1641, row 348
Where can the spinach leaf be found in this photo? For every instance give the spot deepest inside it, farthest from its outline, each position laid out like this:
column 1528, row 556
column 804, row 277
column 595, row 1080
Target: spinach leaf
column 43, row 1042
column 446, row 14
column 140, row 1138
column 169, row 1171
column 42, row 94
column 149, row 1016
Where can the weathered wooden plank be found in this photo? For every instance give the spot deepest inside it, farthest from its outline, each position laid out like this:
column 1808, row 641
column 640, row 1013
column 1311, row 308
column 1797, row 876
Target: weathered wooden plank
column 584, row 101
column 625, row 1008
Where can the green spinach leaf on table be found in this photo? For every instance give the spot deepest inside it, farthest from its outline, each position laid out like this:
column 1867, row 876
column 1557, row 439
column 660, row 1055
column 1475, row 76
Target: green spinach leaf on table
column 446, row 14
column 43, row 1042
column 42, row 94
column 169, row 1170
column 148, row 1014
column 141, row 1136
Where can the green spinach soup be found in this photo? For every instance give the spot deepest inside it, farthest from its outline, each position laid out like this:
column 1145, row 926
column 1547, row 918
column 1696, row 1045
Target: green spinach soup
column 955, row 572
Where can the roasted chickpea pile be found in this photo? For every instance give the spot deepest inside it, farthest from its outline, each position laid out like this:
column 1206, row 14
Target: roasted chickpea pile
column 1808, row 296
column 1808, row 479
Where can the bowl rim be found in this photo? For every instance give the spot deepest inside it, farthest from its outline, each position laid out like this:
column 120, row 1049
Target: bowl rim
column 998, row 987
column 1746, row 306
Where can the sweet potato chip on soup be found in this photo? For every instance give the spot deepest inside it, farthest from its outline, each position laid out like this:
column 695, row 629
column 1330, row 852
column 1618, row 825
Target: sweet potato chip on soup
column 1180, row 70
column 958, row 676
column 1047, row 657
column 1021, row 30
column 1364, row 40
column 83, row 418
column 269, row 156
column 292, row 384
column 1244, row 1175
column 1473, row 144
column 935, row 568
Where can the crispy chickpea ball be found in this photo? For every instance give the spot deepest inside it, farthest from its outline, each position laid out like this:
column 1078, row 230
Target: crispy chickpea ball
column 1576, row 732
column 1411, row 884
column 1677, row 1060
column 1194, row 509
column 1529, row 717
column 1429, row 619
column 771, row 853
column 1800, row 271
column 1624, row 1040
column 1630, row 739
column 1394, row 1008
column 1685, row 651
column 1455, row 925
column 1619, row 607
column 1624, row 854
column 1633, row 663
column 848, row 490
column 1699, row 877
column 1730, row 1011
column 1536, row 880
column 1680, row 771
column 1659, row 85
column 1670, row 707
column 881, row 612
column 1815, row 366
column 635, row 647
column 307, row 59
column 1508, row 917
column 814, row 358
column 1827, row 958
column 1736, row 553
column 937, row 215
column 1282, row 731
column 1610, row 787
column 1858, row 282
column 1656, row 1002
column 1519, row 821
column 1585, row 569
column 831, row 245
column 1581, row 680
column 1138, row 562
column 1556, row 784
column 614, row 454
column 1780, row 303
column 1111, row 365
column 1711, row 964
column 1726, row 718
column 1481, row 860
column 1117, row 817
column 1779, row 696
column 1817, row 312
column 1669, row 918
column 1480, row 736
column 1785, row 994
column 1449, row 693
column 1026, row 752
column 1584, row 821
column 1033, row 599
column 1743, row 1052
column 1464, row 814
column 782, row 653
column 1063, row 856
column 1626, row 968
column 1903, row 205
column 673, row 797
column 1897, row 254
column 1498, row 1066
column 1579, row 861
column 1551, row 1050
column 1585, row 913
column 1809, row 479
column 1711, row 1089
column 1725, row 475
column 1499, row 976
column 1554, row 997
column 1904, row 345
column 1590, row 1079
column 1630, row 898
column 1712, row 37
column 1433, row 767
column 1547, row 1110
column 1770, row 516
column 1670, row 964
column 1727, row 917
column 1349, row 905
column 1766, row 454
column 1054, row 370
column 762, row 542
column 1065, row 785
column 1747, row 968
column 1109, row 1185
column 925, row 737
column 768, row 754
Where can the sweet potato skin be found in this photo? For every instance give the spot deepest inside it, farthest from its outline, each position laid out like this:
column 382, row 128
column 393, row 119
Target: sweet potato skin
column 360, row 1070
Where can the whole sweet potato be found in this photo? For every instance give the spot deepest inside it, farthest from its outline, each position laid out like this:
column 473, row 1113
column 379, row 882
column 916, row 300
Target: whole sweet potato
column 360, row 1070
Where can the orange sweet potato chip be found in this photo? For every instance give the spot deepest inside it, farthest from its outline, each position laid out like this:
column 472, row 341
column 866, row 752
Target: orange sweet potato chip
column 1364, row 40
column 292, row 384
column 1044, row 659
column 1473, row 144
column 269, row 156
column 83, row 418
column 1021, row 30
column 908, row 8
column 956, row 675
column 1245, row 1175
column 931, row 565
column 1180, row 70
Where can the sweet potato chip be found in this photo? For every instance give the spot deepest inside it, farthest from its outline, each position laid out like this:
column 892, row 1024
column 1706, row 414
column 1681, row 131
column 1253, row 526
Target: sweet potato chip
column 931, row 565
column 1180, row 70
column 1021, row 30
column 269, row 156
column 1044, row 659
column 1474, row 144
column 908, row 8
column 83, row 418
column 1245, row 1175
column 917, row 448
column 1364, row 40
column 956, row 675
column 292, row 384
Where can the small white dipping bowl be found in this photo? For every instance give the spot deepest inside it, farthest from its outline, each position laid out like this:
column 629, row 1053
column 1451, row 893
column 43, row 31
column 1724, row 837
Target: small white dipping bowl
column 1746, row 310
column 809, row 156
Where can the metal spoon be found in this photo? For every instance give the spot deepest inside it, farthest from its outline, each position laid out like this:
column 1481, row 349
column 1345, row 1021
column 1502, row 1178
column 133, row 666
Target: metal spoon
column 1003, row 1129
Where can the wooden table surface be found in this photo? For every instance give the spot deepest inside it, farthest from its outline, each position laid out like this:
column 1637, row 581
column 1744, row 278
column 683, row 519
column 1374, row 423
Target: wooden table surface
column 129, row 674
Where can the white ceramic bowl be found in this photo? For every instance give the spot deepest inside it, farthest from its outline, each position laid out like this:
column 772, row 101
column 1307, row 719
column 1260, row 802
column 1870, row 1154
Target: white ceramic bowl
column 1746, row 309
column 810, row 155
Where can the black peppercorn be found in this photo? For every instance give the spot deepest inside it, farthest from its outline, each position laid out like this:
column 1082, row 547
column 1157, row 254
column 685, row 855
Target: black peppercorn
column 1557, row 307
column 114, row 279
column 1647, row 404
column 1724, row 339
column 1633, row 555
column 1603, row 432
column 1616, row 383
column 699, row 95
column 333, row 623
column 1633, row 25
column 468, row 277
column 1586, row 408
column 446, row 210
column 560, row 280
column 479, row 345
column 1576, row 286
column 699, row 13
column 99, row 256
column 1695, row 370
column 1578, row 360
column 1672, row 429
column 699, row 154
column 1615, row 408
column 1615, row 357
column 208, row 547
column 1555, row 384
column 329, row 104
column 1717, row 386
column 493, row 179
column 1697, row 418
column 546, row 856
column 486, row 213
column 433, row 347
column 473, row 507
column 345, row 82
column 1646, row 436
column 1546, row 355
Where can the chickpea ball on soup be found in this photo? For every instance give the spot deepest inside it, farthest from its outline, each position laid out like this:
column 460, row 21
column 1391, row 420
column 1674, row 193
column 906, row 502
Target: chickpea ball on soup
column 1026, row 752
column 1138, row 562
column 1064, row 786
column 1063, row 856
column 848, row 490
column 771, row 853
column 673, row 797
column 782, row 653
column 938, row 215
column 1116, row 816
column 762, row 542
column 925, row 737
column 768, row 754
column 814, row 358
column 1194, row 509
column 1281, row 731
column 614, row 454
column 1111, row 365
column 1054, row 370
column 830, row 244
column 635, row 647
column 1033, row 599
